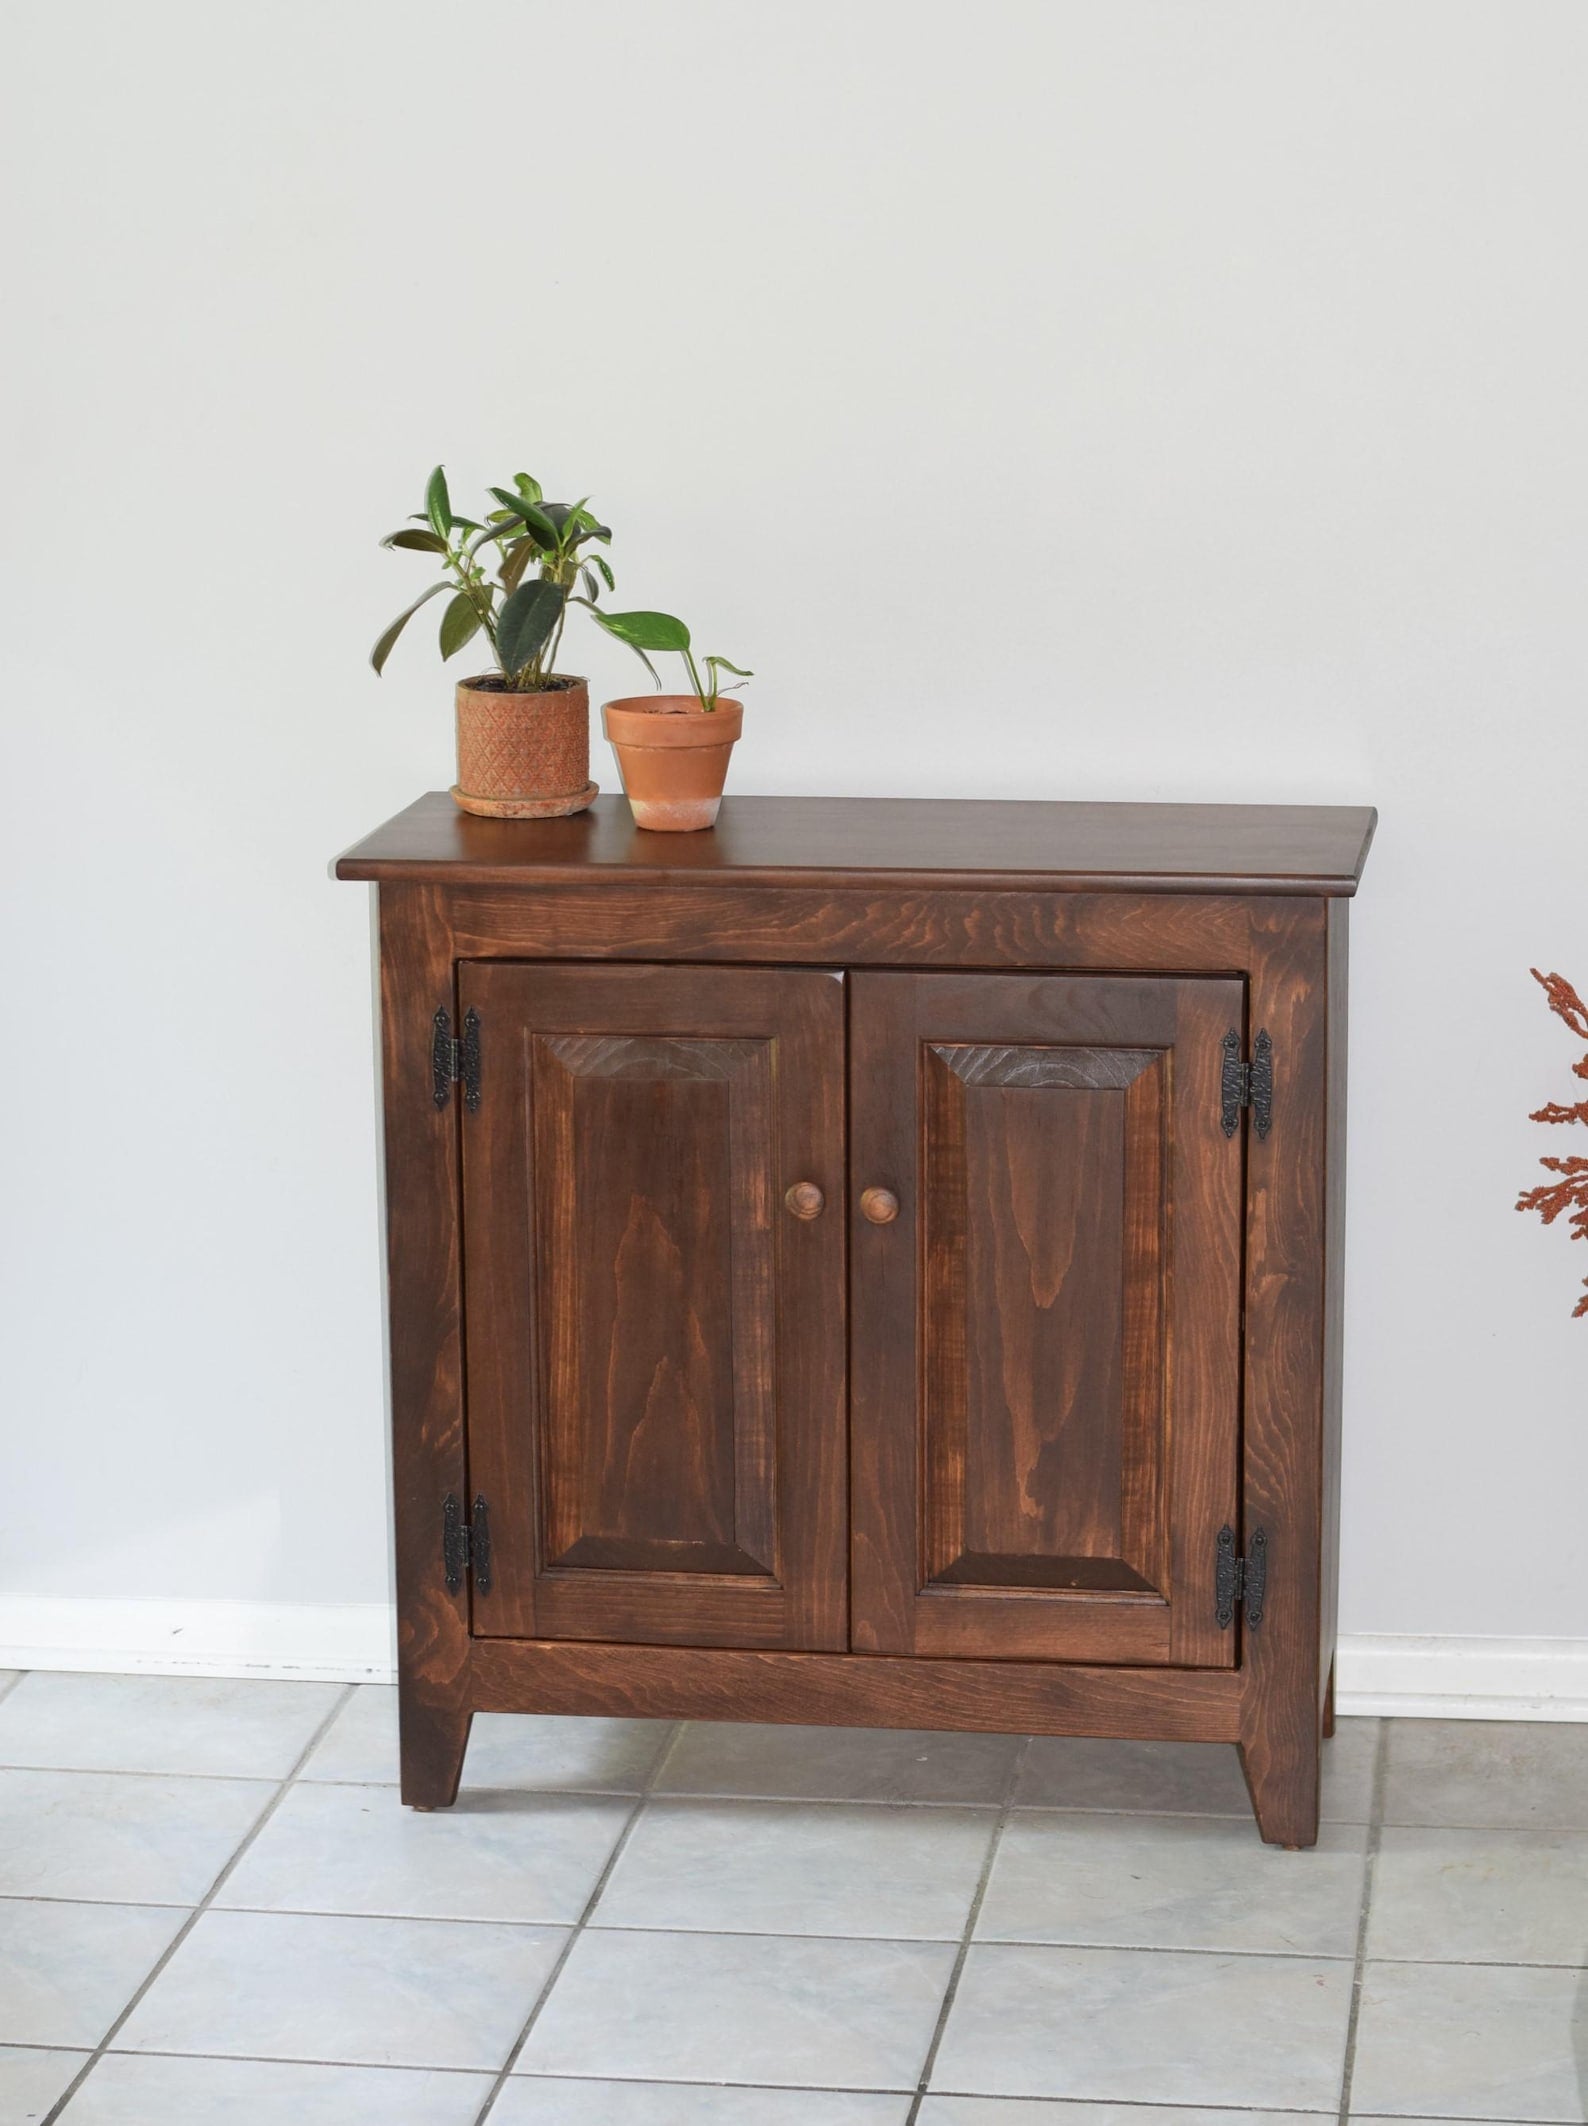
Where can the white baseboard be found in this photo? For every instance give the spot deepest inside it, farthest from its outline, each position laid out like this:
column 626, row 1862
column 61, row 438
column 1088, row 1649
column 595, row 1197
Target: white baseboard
column 1463, row 1679
column 332, row 1642
column 353, row 1642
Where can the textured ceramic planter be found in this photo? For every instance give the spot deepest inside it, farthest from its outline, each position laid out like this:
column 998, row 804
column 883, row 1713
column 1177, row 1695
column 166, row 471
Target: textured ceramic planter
column 523, row 756
column 673, row 757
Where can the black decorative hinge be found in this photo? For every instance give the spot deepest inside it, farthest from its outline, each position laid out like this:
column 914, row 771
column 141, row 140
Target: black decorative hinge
column 1247, row 1084
column 455, row 1062
column 1240, row 1582
column 465, row 1543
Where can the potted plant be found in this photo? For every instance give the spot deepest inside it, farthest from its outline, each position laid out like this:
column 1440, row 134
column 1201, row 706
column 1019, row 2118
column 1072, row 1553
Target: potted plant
column 672, row 749
column 524, row 729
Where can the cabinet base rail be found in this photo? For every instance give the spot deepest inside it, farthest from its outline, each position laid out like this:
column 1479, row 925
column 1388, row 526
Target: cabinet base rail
column 851, row 1690
column 1278, row 1741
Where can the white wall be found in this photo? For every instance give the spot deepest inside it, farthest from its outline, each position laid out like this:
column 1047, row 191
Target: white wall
column 1117, row 399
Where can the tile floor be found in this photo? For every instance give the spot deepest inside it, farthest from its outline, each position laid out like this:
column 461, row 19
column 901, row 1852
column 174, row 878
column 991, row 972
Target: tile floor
column 213, row 1909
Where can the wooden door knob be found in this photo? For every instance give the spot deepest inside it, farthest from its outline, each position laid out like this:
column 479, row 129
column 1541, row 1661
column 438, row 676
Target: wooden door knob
column 880, row 1205
column 805, row 1200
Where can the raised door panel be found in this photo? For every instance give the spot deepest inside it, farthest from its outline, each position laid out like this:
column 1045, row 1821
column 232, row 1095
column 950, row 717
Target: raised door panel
column 655, row 1341
column 1046, row 1363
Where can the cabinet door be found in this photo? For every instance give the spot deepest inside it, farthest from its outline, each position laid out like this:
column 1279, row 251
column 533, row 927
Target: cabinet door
column 655, row 1340
column 1045, row 1366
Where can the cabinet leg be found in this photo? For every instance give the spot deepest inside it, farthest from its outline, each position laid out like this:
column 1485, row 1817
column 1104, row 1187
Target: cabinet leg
column 1328, row 1707
column 431, row 1740
column 1282, row 1779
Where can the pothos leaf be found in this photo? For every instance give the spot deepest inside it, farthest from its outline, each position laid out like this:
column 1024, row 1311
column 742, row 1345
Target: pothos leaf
column 646, row 631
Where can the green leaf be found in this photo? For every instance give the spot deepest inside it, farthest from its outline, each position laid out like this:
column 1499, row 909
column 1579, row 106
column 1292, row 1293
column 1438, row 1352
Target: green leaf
column 646, row 631
column 535, row 517
column 460, row 620
column 600, row 561
column 438, row 505
column 725, row 665
column 526, row 620
column 420, row 542
column 574, row 523
column 592, row 589
column 383, row 648
column 516, row 558
column 530, row 489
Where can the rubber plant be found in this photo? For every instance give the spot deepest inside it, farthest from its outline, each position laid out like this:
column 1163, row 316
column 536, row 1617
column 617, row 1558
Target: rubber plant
column 1567, row 1195
column 485, row 564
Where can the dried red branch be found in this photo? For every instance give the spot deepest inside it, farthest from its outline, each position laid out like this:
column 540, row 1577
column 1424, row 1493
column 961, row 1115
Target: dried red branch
column 1563, row 1001
column 1567, row 1197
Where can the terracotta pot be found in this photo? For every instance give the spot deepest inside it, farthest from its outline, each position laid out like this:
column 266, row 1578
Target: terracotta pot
column 673, row 757
column 523, row 756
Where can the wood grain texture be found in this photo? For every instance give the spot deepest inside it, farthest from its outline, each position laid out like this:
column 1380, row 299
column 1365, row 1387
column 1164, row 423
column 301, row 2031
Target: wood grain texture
column 881, row 926
column 656, row 1346
column 848, row 1690
column 1068, row 1244
column 425, row 1343
column 1308, row 849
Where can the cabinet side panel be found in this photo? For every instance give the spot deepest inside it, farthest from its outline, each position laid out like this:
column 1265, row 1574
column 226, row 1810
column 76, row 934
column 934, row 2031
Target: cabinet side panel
column 426, row 1356
column 1286, row 1366
column 1334, row 1293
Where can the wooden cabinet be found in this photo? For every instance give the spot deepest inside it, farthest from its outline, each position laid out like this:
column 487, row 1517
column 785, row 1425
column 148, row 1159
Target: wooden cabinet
column 874, row 1264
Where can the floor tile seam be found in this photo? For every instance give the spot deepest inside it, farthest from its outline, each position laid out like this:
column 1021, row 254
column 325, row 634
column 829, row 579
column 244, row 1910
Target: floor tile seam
column 1381, row 1752
column 17, row 1676
column 559, row 1965
column 984, row 1941
column 668, row 2081
column 122, row 1771
column 792, row 1933
column 826, row 1801
column 945, row 2008
column 291, row 2059
column 477, row 1793
column 875, row 1804
column 197, row 1912
column 1124, row 1815
column 1544, row 1830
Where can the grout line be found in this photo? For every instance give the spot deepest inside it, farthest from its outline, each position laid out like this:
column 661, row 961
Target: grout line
column 1011, row 1783
column 991, row 1941
column 200, row 1908
column 577, row 1928
column 121, row 1771
column 1375, row 1833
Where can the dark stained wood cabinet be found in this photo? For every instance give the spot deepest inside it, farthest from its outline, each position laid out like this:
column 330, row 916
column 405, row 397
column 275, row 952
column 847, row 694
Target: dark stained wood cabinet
column 874, row 1263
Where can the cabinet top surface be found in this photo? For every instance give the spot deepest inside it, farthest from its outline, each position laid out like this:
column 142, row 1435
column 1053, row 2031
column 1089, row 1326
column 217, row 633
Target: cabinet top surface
column 858, row 840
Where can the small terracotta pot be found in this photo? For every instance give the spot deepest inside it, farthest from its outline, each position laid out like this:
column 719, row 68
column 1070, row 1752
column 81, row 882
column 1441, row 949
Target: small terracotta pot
column 673, row 757
column 523, row 756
